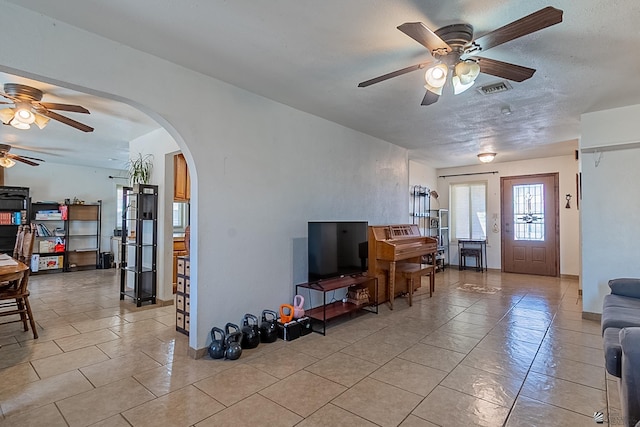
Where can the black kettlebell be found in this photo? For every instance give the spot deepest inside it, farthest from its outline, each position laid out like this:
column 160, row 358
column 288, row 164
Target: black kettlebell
column 269, row 327
column 233, row 348
column 250, row 331
column 218, row 345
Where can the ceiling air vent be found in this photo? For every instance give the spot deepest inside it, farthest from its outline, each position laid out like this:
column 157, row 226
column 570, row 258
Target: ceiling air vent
column 494, row 88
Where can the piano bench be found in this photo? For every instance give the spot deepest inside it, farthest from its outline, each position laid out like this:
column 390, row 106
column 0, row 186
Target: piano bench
column 475, row 253
column 413, row 271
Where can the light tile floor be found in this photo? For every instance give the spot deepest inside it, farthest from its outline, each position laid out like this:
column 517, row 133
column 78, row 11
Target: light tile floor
column 512, row 350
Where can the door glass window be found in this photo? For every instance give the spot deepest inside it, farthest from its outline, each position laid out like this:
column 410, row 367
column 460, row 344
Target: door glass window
column 528, row 212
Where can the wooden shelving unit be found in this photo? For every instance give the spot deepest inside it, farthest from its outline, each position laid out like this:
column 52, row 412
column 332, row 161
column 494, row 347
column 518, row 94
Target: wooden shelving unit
column 327, row 311
column 83, row 227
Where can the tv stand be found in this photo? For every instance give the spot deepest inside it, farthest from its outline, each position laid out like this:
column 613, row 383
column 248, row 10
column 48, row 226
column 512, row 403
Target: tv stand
column 328, row 311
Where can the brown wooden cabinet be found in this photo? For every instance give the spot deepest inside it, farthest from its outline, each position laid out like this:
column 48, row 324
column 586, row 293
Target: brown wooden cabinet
column 182, row 182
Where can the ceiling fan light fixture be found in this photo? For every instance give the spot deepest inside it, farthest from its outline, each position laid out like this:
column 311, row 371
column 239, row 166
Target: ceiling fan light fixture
column 486, row 157
column 458, row 86
column 436, row 76
column 467, row 71
column 6, row 115
column 24, row 115
column 41, row 121
column 18, row 124
column 6, row 162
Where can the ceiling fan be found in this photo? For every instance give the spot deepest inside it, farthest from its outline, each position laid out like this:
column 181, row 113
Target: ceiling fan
column 7, row 159
column 451, row 47
column 26, row 109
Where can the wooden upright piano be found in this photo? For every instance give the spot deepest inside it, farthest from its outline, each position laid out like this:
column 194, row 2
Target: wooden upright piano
column 389, row 244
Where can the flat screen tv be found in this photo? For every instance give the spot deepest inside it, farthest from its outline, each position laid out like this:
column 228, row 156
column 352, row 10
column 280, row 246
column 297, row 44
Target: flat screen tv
column 337, row 248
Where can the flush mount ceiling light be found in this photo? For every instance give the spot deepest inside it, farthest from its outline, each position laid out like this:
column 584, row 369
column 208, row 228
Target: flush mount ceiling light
column 486, row 157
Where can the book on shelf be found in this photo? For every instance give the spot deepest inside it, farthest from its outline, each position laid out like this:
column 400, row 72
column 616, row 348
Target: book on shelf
column 43, row 231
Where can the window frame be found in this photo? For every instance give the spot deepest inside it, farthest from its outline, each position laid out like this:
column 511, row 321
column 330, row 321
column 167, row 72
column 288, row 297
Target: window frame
column 476, row 219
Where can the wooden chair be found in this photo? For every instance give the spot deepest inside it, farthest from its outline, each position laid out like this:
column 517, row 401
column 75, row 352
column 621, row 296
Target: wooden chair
column 17, row 249
column 14, row 298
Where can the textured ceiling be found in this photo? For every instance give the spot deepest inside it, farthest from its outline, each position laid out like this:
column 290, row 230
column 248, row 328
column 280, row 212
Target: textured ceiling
column 311, row 55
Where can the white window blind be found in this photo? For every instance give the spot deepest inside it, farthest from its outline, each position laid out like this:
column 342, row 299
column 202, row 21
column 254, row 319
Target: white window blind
column 469, row 210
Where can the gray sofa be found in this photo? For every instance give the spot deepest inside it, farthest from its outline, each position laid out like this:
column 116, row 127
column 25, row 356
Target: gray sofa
column 621, row 333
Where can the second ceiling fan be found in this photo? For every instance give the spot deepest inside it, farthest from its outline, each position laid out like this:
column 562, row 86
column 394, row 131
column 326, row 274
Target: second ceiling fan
column 25, row 107
column 452, row 49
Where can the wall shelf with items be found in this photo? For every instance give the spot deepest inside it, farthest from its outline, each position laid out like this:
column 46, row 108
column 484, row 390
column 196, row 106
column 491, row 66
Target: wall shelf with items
column 138, row 254
column 49, row 250
column 82, row 235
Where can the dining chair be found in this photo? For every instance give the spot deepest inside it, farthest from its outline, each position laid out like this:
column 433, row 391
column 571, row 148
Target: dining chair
column 17, row 249
column 14, row 299
column 19, row 237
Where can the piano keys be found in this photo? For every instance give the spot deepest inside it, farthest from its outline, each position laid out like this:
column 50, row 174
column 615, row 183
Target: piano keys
column 389, row 244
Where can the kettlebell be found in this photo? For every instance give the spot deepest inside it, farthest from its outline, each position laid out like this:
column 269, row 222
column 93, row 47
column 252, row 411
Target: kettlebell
column 269, row 327
column 233, row 348
column 218, row 345
column 298, row 306
column 250, row 331
column 286, row 317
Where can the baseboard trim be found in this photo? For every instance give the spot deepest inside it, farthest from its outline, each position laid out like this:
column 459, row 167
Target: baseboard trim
column 197, row 354
column 164, row 303
column 569, row 276
column 592, row 316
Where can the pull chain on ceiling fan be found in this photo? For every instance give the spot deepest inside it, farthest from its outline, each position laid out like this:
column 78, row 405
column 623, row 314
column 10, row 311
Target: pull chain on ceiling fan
column 26, row 109
column 450, row 45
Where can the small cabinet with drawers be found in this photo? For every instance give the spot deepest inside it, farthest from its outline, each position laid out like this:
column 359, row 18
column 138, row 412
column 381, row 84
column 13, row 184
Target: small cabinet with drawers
column 183, row 290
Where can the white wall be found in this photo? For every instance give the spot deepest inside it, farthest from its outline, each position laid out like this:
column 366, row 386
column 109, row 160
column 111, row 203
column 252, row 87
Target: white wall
column 260, row 170
column 610, row 176
column 158, row 143
column 56, row 182
column 566, row 166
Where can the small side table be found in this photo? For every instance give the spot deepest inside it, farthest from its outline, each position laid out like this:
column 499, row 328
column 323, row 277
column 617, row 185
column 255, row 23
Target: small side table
column 476, row 249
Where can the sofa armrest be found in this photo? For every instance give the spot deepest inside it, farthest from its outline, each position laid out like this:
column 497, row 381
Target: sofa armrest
column 630, row 379
column 628, row 287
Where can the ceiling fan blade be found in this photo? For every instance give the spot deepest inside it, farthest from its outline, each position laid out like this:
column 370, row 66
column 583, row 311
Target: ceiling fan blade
column 64, row 107
column 529, row 24
column 393, row 74
column 13, row 156
column 427, row 38
column 20, row 159
column 516, row 73
column 430, row 98
column 65, row 120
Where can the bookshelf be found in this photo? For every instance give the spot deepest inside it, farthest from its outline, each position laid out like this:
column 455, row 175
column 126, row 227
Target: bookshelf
column 82, row 235
column 49, row 251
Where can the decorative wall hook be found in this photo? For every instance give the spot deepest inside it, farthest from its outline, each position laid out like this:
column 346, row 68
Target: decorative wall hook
column 568, row 205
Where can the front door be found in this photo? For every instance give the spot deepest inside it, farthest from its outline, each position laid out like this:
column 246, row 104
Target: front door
column 530, row 226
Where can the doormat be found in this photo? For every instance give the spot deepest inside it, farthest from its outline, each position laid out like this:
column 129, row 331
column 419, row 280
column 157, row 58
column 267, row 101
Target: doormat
column 468, row 287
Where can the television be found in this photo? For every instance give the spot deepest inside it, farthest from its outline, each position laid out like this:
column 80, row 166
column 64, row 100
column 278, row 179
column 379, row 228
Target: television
column 336, row 248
